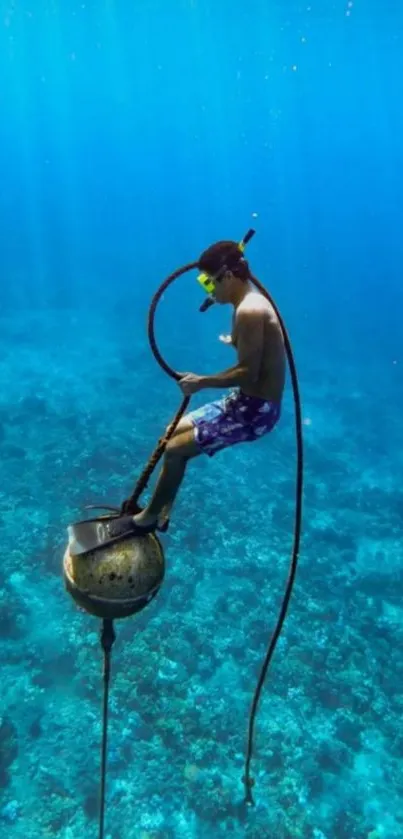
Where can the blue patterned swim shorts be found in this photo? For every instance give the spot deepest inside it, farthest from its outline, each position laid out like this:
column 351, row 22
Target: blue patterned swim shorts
column 236, row 418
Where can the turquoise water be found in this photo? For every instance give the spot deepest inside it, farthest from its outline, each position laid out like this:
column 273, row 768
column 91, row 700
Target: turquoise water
column 132, row 138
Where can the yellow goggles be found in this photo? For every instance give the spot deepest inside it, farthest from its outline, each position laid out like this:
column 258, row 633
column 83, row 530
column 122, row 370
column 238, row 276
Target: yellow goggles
column 207, row 282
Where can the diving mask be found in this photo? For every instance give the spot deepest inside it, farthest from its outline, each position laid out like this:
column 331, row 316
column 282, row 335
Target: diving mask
column 208, row 283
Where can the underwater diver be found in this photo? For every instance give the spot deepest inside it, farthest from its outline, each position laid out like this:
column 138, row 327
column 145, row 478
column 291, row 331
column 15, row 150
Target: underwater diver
column 256, row 384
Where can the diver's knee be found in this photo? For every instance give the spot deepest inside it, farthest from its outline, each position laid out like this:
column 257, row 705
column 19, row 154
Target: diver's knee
column 174, row 453
column 172, row 434
column 184, row 424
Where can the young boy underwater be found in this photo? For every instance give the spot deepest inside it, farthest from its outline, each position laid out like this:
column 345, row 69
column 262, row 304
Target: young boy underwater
column 256, row 384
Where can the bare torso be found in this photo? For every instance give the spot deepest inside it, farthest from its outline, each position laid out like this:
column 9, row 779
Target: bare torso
column 271, row 378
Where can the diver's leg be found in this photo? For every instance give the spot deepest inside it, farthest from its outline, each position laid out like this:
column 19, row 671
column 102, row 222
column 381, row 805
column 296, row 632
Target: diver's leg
column 179, row 451
column 202, row 436
column 184, row 424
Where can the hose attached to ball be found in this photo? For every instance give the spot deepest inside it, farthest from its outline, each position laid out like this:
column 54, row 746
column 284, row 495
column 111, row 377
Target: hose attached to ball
column 131, row 505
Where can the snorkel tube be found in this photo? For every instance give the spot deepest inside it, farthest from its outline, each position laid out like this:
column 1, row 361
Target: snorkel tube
column 208, row 287
column 208, row 284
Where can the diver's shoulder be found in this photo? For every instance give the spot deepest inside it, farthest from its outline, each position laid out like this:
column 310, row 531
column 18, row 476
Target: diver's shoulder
column 256, row 302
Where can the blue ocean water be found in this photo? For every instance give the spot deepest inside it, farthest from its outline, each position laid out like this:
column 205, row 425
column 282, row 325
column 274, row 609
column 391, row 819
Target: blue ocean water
column 132, row 136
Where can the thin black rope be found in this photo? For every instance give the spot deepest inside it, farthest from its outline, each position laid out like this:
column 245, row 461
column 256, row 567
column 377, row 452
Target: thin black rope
column 107, row 639
column 108, row 634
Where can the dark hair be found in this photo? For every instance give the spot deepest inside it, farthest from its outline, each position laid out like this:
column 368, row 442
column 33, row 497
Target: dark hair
column 225, row 253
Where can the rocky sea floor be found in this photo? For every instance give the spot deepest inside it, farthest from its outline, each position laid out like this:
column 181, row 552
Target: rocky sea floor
column 78, row 421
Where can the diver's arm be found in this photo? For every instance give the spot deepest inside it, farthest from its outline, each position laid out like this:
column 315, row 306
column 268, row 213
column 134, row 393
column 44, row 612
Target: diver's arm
column 237, row 375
